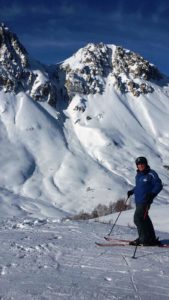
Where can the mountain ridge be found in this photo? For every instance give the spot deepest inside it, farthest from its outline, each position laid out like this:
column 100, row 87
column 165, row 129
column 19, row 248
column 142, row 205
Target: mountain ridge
column 93, row 63
column 70, row 132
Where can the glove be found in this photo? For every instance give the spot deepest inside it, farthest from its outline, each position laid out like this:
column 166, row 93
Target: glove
column 130, row 193
column 149, row 198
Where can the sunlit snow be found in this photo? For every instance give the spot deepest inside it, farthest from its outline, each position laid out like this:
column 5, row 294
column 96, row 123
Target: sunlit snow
column 58, row 161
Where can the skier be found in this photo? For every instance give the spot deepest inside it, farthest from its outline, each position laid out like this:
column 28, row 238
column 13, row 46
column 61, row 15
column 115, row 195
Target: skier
column 147, row 187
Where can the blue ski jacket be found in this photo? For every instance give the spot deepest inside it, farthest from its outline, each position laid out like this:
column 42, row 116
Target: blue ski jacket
column 147, row 182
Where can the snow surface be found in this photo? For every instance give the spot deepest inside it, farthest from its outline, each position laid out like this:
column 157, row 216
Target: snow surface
column 58, row 162
column 48, row 155
column 51, row 259
column 72, row 160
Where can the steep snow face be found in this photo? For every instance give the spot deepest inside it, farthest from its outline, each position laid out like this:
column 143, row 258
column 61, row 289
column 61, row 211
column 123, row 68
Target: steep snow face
column 114, row 129
column 32, row 148
column 127, row 118
column 45, row 162
column 80, row 153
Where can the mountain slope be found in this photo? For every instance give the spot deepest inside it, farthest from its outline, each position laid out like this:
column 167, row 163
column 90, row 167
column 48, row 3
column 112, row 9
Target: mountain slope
column 119, row 123
column 35, row 255
column 70, row 133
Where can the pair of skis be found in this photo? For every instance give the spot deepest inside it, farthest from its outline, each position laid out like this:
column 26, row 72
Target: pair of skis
column 110, row 242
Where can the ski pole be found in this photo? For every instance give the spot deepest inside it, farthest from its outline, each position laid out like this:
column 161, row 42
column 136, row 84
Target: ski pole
column 117, row 218
column 145, row 215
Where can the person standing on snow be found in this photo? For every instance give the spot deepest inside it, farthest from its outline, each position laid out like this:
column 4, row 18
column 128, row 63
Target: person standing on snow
column 147, row 187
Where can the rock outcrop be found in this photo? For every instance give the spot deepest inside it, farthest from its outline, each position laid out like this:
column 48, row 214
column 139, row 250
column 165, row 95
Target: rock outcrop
column 87, row 71
column 93, row 68
column 132, row 73
column 19, row 72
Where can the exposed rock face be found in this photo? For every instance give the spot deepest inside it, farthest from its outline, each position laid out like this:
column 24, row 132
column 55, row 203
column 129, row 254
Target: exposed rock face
column 19, row 72
column 89, row 76
column 84, row 73
column 13, row 59
column 130, row 73
column 128, row 67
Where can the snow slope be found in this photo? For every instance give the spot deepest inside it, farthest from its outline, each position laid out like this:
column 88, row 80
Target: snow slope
column 55, row 260
column 69, row 136
column 109, row 106
column 47, row 160
column 41, row 164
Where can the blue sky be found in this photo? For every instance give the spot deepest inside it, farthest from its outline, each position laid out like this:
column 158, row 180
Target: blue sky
column 53, row 30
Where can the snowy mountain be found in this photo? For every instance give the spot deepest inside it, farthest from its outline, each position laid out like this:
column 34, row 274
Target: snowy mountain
column 70, row 133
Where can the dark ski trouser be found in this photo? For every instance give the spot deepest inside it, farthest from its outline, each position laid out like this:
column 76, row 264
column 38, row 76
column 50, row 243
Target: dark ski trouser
column 144, row 225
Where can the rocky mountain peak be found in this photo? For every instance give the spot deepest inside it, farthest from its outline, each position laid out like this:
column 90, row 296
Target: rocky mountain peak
column 13, row 59
column 11, row 50
column 86, row 72
column 97, row 57
column 132, row 73
column 134, row 65
column 88, row 69
column 19, row 72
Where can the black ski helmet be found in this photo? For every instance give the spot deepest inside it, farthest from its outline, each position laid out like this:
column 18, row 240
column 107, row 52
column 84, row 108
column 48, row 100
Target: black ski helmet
column 141, row 160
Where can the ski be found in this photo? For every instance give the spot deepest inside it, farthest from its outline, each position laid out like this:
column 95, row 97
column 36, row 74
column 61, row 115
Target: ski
column 111, row 244
column 126, row 243
column 108, row 238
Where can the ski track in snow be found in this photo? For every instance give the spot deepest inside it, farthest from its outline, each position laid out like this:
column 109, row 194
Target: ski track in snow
column 59, row 260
